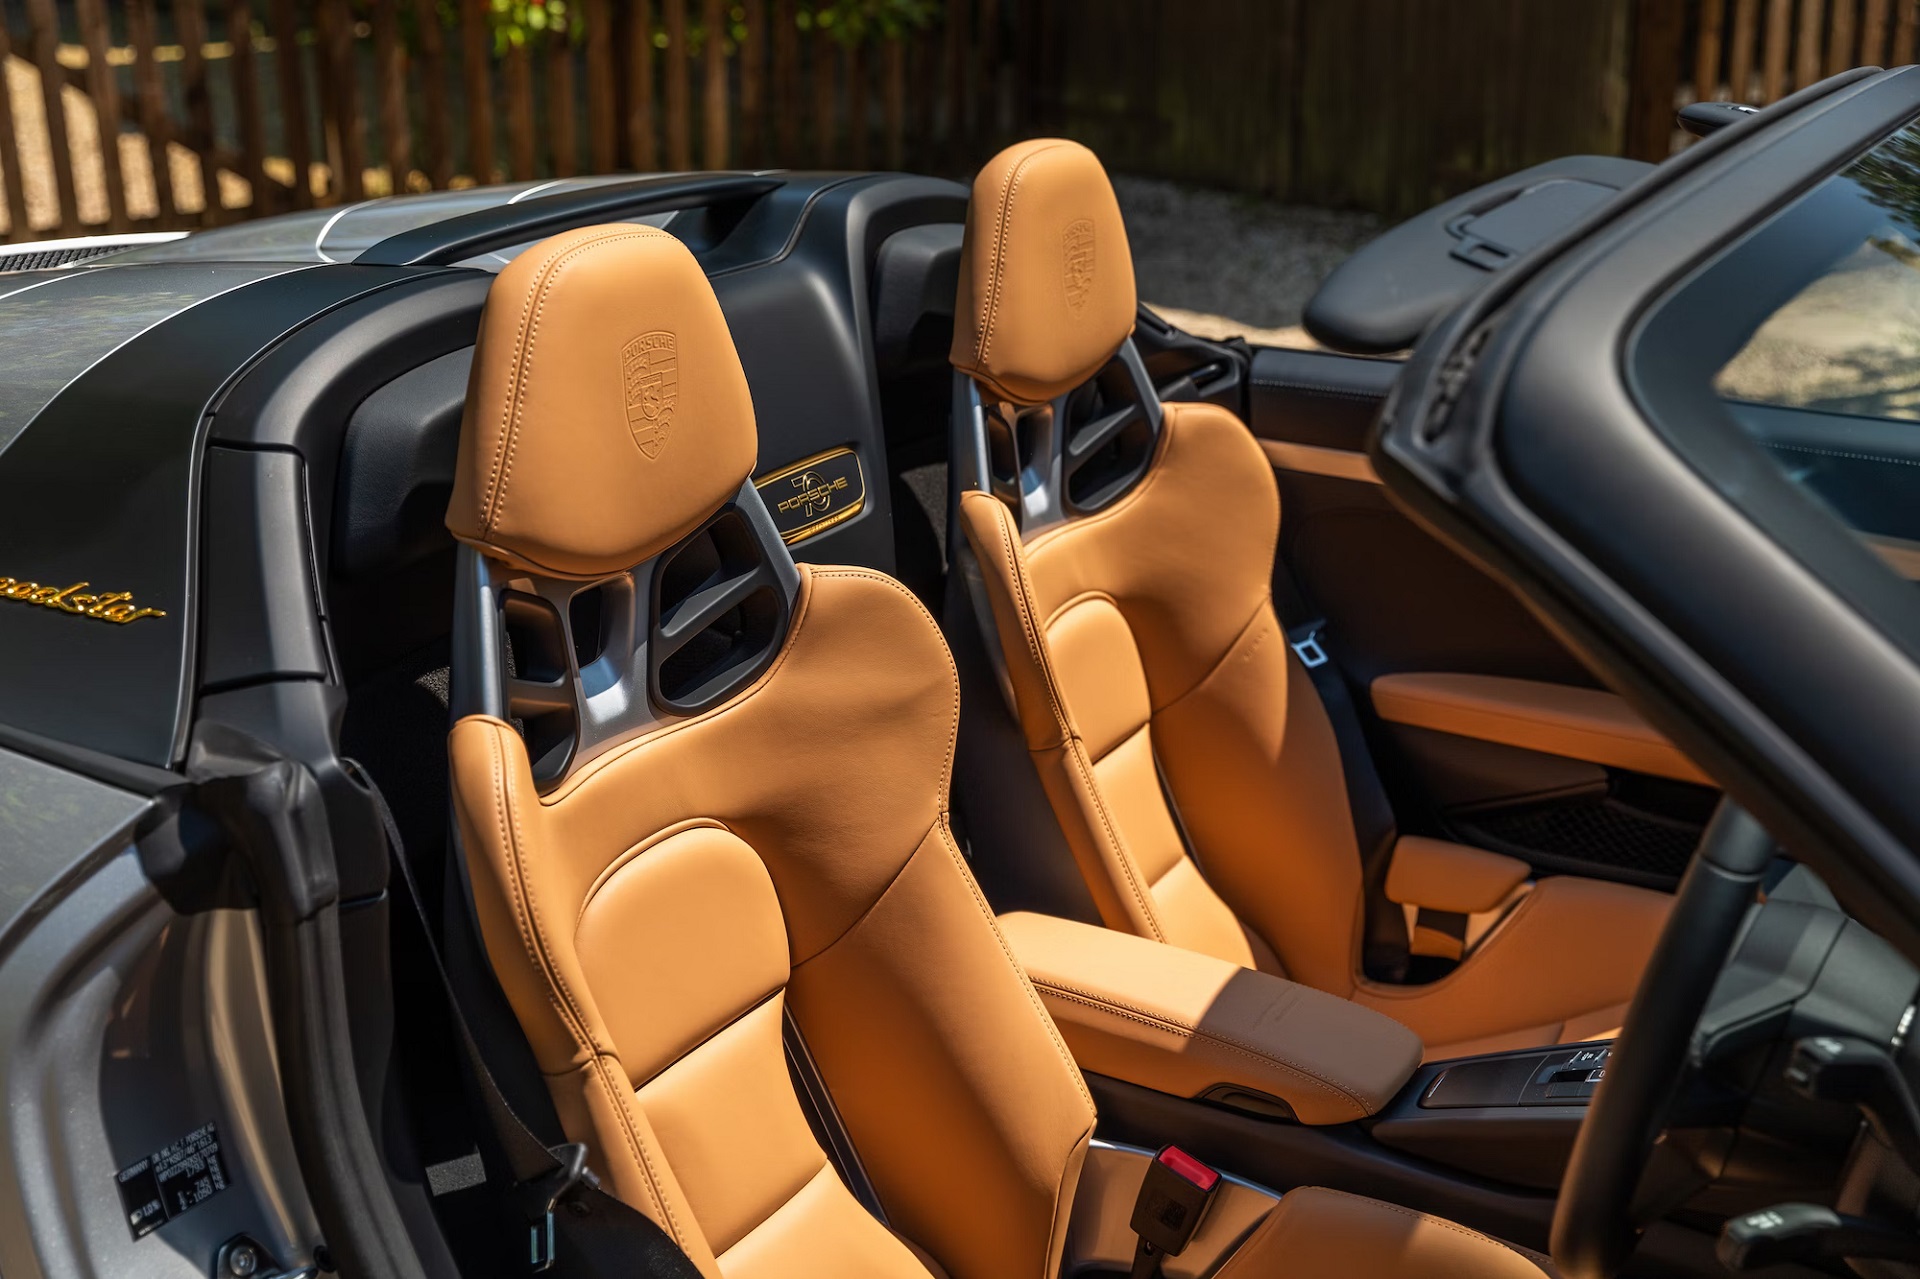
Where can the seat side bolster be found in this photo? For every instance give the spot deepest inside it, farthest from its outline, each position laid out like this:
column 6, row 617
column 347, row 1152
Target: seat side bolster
column 1316, row 1231
column 1183, row 1023
column 1438, row 875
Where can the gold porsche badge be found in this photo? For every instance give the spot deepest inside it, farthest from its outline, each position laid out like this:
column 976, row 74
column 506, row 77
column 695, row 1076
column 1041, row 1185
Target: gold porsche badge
column 814, row 495
column 651, row 369
column 107, row 606
column 1078, row 243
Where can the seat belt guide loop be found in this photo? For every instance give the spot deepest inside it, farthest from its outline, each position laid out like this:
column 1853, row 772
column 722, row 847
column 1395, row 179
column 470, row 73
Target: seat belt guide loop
column 543, row 1194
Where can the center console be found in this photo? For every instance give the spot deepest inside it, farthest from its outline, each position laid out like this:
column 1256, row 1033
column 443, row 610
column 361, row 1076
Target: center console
column 1509, row 1116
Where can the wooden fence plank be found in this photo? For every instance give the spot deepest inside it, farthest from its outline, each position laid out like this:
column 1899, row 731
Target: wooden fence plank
column 713, row 109
column 1906, row 19
column 954, row 46
column 476, row 51
column 152, row 103
column 190, row 26
column 825, row 69
column 344, row 72
column 563, row 125
column 643, row 150
column 436, row 152
column 1806, row 50
column 786, row 83
column 679, row 127
column 1773, row 75
column 520, row 108
column 895, row 54
column 103, row 87
column 18, row 226
column 1657, row 29
column 859, row 102
column 390, row 72
column 289, row 70
column 983, row 98
column 923, row 91
column 752, row 57
column 603, row 118
column 246, row 107
column 1840, row 33
column 1706, row 59
column 45, row 25
column 1740, row 50
column 1873, row 33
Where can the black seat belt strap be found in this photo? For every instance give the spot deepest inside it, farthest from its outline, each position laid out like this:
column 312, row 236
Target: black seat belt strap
column 598, row 1236
column 1384, row 945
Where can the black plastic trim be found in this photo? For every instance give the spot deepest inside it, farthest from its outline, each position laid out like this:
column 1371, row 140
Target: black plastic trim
column 1435, row 448
column 141, row 779
column 1316, row 397
column 485, row 230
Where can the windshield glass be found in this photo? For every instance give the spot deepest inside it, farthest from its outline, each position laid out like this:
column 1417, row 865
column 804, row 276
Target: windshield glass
column 1849, row 341
column 1808, row 332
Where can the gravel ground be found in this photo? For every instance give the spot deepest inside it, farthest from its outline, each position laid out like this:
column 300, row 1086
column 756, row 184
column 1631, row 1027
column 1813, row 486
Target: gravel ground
column 1218, row 264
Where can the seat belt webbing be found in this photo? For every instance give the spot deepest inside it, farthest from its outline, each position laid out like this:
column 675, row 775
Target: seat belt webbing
column 1384, row 944
column 598, row 1236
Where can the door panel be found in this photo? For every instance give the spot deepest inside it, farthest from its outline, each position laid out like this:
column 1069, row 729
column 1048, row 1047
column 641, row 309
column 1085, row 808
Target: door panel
column 1397, row 603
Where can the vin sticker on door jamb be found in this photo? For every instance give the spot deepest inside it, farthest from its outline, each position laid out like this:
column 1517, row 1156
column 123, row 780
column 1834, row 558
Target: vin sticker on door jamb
column 168, row 1182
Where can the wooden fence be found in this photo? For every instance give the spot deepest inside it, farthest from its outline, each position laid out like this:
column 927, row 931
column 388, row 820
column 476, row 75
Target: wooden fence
column 211, row 112
column 1752, row 51
column 144, row 114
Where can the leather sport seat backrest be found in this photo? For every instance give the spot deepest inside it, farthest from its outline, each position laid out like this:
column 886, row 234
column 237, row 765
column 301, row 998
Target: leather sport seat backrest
column 659, row 909
column 1140, row 639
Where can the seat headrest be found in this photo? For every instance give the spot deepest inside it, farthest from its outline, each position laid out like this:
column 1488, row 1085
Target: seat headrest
column 1046, row 278
column 607, row 414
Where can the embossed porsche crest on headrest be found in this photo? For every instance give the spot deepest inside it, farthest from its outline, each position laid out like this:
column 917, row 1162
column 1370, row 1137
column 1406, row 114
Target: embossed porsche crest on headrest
column 1046, row 280
column 652, row 371
column 607, row 416
column 1078, row 242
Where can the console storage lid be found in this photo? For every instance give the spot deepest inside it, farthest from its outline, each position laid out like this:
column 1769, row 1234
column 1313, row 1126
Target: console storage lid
column 1188, row 1024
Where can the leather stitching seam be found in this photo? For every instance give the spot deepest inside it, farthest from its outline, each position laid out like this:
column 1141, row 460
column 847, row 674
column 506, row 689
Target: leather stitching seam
column 996, row 273
column 608, row 1070
column 1013, row 962
column 953, row 672
column 1075, row 748
column 527, row 923
column 1154, row 1020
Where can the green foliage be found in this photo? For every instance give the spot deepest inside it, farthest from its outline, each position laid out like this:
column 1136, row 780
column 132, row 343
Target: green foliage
column 519, row 22
column 1890, row 173
column 857, row 21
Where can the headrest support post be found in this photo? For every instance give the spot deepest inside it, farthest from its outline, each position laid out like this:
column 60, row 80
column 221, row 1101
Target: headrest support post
column 1046, row 448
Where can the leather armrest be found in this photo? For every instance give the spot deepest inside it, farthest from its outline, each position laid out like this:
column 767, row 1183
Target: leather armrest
column 1554, row 719
column 1438, row 875
column 1184, row 1023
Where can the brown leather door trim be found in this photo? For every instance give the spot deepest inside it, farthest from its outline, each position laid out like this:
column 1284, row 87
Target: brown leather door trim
column 1339, row 464
column 1554, row 719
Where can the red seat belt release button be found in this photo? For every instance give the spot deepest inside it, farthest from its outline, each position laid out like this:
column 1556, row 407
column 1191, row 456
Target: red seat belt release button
column 1173, row 1198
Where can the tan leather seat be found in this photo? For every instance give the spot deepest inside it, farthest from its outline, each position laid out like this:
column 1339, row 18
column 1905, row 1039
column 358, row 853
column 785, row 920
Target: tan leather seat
column 659, row 908
column 1142, row 648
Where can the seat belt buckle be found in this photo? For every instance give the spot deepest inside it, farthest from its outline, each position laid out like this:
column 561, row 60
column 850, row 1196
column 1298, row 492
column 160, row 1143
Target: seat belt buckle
column 1173, row 1200
column 543, row 1194
column 1307, row 647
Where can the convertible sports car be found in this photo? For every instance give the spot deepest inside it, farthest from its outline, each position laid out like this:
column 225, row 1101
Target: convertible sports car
column 758, row 724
